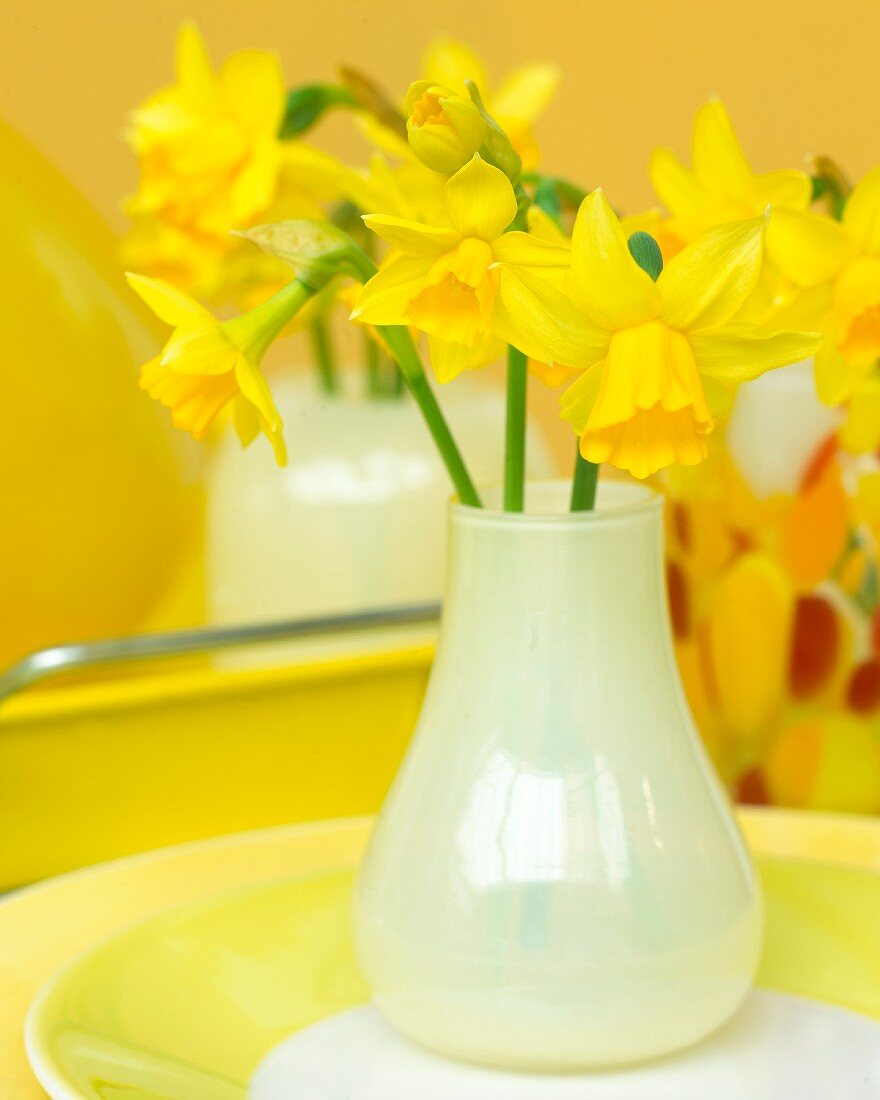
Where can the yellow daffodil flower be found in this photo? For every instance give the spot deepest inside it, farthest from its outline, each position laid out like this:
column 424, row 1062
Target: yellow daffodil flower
column 837, row 264
column 444, row 129
column 444, row 281
column 659, row 361
column 720, row 185
column 516, row 103
column 210, row 160
column 208, row 364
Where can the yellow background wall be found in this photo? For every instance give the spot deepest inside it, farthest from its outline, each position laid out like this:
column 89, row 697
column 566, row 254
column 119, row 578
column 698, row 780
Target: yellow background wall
column 797, row 76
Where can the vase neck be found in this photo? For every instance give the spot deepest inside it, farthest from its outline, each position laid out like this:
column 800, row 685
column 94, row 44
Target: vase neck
column 582, row 590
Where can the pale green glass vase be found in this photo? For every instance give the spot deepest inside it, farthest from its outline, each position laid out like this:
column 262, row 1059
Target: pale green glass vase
column 556, row 881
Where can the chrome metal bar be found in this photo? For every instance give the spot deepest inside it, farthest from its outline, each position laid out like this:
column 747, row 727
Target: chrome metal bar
column 79, row 655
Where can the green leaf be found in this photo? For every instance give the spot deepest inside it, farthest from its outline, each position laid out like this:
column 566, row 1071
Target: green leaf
column 646, row 252
column 307, row 104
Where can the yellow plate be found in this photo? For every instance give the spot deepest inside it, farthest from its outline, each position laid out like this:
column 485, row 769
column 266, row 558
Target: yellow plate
column 187, row 1003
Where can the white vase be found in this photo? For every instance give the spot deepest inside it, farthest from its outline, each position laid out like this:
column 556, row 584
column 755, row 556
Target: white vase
column 357, row 518
column 556, row 881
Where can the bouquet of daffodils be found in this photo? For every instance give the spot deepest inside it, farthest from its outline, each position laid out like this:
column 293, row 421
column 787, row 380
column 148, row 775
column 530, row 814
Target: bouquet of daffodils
column 452, row 249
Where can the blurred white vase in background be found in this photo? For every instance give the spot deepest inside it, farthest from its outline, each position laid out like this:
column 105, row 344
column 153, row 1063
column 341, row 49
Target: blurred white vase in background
column 357, row 518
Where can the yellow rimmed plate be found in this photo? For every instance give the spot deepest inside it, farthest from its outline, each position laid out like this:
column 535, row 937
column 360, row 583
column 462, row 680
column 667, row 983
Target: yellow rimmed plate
column 186, row 1005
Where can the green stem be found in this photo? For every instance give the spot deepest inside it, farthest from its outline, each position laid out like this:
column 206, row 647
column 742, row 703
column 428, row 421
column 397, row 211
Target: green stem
column 322, row 349
column 583, row 486
column 403, row 349
column 373, row 360
column 515, row 432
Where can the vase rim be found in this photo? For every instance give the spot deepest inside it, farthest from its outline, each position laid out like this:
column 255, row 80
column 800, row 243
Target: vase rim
column 547, row 504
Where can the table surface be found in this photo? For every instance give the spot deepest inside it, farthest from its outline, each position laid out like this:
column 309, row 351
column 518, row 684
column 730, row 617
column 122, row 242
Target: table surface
column 44, row 926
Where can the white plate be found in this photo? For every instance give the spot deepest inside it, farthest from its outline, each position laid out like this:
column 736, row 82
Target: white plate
column 778, row 1047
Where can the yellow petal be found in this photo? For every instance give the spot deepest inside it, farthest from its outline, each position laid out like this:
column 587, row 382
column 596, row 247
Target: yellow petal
column 737, row 353
column 253, row 386
column 789, row 190
column 605, row 281
column 246, row 421
column 449, row 359
column 249, row 423
column 542, row 226
column 710, row 279
column 719, row 396
column 276, row 438
column 861, row 215
column 808, row 248
column 412, row 238
column 861, row 430
column 384, row 299
column 193, row 67
column 168, row 303
column 537, row 318
column 253, row 88
column 479, row 200
column 314, row 170
column 836, row 377
column 717, row 157
column 526, row 92
column 676, row 186
column 522, row 250
column 576, row 403
column 202, row 350
column 449, row 62
column 856, row 301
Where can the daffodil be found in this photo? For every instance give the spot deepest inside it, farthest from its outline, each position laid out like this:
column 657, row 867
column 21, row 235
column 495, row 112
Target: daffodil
column 720, row 185
column 443, row 280
column 837, row 264
column 516, row 103
column 208, row 364
column 211, row 160
column 444, row 129
column 658, row 360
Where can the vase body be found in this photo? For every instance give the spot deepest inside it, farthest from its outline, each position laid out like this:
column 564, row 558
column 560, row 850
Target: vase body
column 356, row 520
column 556, row 881
column 773, row 572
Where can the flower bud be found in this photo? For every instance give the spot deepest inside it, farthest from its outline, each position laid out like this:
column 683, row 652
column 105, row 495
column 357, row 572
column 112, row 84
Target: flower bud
column 317, row 251
column 497, row 147
column 444, row 129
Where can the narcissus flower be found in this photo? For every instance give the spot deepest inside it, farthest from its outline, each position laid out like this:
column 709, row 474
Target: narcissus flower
column 516, row 103
column 838, row 265
column 659, row 361
column 444, row 129
column 208, row 364
column 211, row 160
column 444, row 281
column 720, row 185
